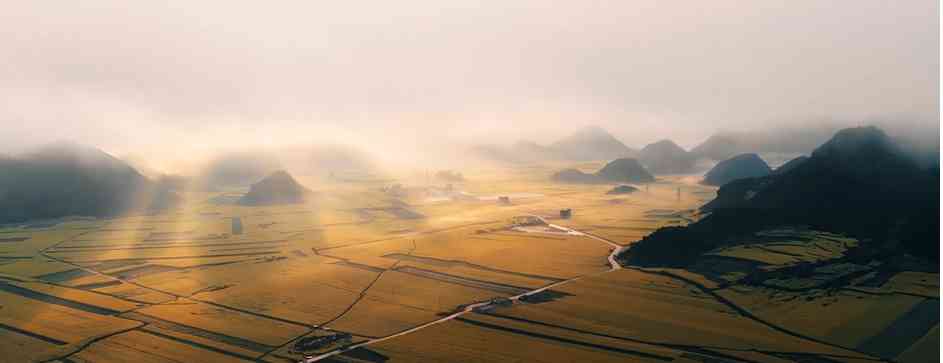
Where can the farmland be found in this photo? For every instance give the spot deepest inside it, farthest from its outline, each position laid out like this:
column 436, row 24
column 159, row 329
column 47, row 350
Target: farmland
column 422, row 277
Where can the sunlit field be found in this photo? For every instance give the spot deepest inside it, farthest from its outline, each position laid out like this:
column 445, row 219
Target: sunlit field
column 517, row 181
column 401, row 273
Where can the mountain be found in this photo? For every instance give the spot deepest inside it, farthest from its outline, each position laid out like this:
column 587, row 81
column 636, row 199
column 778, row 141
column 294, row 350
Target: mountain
column 237, row 169
column 530, row 151
column 522, row 151
column 791, row 164
column 322, row 160
column 591, row 143
column 666, row 157
column 857, row 167
column 737, row 167
column 625, row 170
column 575, row 176
column 66, row 179
column 858, row 183
column 494, row 153
column 277, row 188
column 722, row 146
column 918, row 140
column 587, row 144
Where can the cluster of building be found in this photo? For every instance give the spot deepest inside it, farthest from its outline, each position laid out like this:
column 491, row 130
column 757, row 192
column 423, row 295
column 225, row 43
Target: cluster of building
column 312, row 343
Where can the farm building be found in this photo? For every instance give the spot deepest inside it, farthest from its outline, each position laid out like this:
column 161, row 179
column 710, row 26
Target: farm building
column 307, row 344
column 528, row 220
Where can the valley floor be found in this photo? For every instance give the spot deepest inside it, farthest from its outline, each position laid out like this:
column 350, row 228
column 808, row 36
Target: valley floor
column 432, row 274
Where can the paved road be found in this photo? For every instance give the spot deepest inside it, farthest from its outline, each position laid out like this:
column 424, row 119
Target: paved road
column 612, row 256
column 614, row 265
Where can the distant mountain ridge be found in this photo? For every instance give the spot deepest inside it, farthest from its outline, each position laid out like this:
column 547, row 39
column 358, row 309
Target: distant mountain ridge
column 919, row 142
column 859, row 183
column 725, row 145
column 323, row 160
column 237, row 169
column 666, row 157
column 591, row 143
column 587, row 144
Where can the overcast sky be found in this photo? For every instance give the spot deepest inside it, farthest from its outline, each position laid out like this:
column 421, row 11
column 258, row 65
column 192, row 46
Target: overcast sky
column 200, row 75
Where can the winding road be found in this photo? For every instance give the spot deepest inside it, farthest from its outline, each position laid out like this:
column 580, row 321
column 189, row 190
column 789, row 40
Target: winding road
column 617, row 248
column 613, row 265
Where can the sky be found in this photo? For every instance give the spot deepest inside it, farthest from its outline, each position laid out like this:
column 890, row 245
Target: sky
column 180, row 78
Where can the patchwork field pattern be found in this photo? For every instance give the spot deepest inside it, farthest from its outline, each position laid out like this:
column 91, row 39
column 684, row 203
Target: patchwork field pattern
column 427, row 275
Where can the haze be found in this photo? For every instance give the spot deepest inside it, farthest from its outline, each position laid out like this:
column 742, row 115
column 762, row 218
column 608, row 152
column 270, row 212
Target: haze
column 174, row 79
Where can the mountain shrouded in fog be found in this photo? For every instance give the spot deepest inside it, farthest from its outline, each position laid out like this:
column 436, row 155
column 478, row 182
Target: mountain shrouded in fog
column 919, row 142
column 238, row 169
column 470, row 181
column 789, row 165
column 737, row 167
column 666, row 157
column 623, row 170
column 182, row 81
column 722, row 146
column 66, row 179
column 277, row 188
column 859, row 182
column 586, row 144
column 591, row 143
